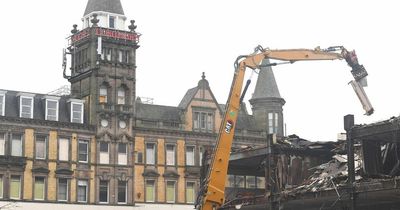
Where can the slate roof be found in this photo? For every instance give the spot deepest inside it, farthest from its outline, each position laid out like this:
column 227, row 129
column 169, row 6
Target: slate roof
column 39, row 105
column 157, row 112
column 266, row 86
column 112, row 6
column 187, row 98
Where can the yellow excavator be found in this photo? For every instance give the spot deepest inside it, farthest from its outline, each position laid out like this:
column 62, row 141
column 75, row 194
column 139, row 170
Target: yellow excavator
column 211, row 194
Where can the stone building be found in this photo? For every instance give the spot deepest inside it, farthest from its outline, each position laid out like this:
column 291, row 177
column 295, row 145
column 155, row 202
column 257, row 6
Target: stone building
column 103, row 145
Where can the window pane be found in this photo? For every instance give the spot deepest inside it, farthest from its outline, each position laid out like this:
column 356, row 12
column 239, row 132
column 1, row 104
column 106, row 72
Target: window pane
column 2, row 143
column 190, row 192
column 83, row 151
column 103, row 147
column 209, row 122
column 51, row 110
column 260, row 182
column 121, row 96
column 16, row 145
column 103, row 95
column 103, row 191
column 150, row 191
column 15, row 187
column 63, row 150
column 170, row 191
column 170, row 155
column 150, row 154
column 82, row 191
column 62, row 189
column 76, row 113
column 1, row 105
column 1, row 186
column 250, row 182
column 196, row 120
column 112, row 22
column 203, row 120
column 26, row 106
column 121, row 192
column 230, row 181
column 39, row 188
column 190, row 156
column 40, row 147
column 239, row 181
column 122, row 154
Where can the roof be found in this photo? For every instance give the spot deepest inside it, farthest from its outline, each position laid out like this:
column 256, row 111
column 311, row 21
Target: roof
column 112, row 6
column 157, row 112
column 39, row 105
column 266, row 86
column 187, row 98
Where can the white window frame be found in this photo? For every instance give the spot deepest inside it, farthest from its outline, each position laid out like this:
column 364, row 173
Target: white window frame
column 273, row 120
column 47, row 109
column 58, row 190
column 20, row 145
column 126, row 193
column 2, row 143
column 123, row 157
column 72, row 112
column 192, row 155
column 26, row 96
column 153, row 156
column 60, row 148
column 86, row 184
column 87, row 151
column 168, row 153
column 45, row 147
column 108, row 192
column 3, row 103
column 76, row 102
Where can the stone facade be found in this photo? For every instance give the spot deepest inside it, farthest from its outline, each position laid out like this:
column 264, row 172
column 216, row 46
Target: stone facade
column 101, row 144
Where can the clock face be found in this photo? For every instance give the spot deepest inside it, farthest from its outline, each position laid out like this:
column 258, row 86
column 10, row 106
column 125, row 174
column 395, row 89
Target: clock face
column 122, row 124
column 104, row 123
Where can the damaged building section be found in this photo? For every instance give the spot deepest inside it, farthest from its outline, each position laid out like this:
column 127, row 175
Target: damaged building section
column 293, row 173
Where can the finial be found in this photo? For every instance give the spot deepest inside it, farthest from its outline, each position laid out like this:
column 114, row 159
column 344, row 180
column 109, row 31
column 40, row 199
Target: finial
column 132, row 26
column 203, row 76
column 94, row 20
column 74, row 30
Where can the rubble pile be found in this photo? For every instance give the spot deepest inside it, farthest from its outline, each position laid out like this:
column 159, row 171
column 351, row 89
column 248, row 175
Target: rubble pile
column 328, row 176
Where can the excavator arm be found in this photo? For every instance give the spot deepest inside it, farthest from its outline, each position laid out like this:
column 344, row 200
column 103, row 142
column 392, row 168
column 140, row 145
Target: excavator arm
column 211, row 195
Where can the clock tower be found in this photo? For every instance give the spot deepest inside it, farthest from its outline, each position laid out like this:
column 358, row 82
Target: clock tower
column 103, row 75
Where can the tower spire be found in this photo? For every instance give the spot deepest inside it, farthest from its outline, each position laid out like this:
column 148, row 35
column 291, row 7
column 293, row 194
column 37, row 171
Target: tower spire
column 267, row 102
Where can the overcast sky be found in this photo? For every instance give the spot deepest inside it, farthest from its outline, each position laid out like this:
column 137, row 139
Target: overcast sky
column 181, row 39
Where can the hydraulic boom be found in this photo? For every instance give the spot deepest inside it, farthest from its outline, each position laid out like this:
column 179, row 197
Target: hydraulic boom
column 211, row 195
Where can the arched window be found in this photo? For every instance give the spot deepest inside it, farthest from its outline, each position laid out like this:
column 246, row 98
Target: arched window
column 121, row 96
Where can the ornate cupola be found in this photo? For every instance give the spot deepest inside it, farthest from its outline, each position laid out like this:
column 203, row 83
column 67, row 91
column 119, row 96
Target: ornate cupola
column 267, row 103
column 109, row 13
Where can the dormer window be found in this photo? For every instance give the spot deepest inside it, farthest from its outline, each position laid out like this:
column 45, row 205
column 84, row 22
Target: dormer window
column 121, row 96
column 111, row 22
column 76, row 110
column 26, row 105
column 2, row 102
column 203, row 121
column 51, row 112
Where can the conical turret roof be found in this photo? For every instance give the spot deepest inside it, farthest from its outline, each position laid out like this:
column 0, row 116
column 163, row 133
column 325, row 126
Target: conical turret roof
column 112, row 6
column 266, row 86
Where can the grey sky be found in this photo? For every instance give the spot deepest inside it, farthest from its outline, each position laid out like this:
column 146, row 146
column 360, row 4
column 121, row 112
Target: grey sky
column 181, row 39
